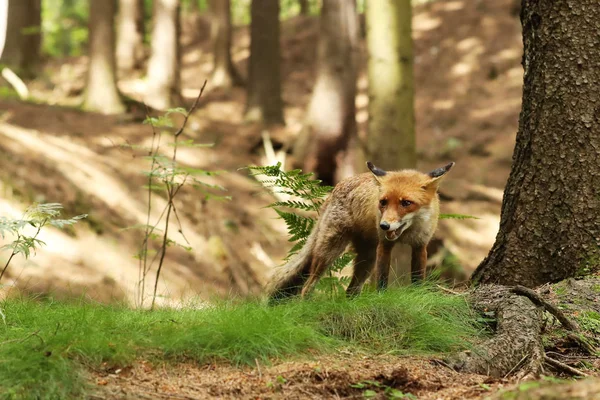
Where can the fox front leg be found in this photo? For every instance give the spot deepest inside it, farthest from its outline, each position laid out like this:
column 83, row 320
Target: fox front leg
column 384, row 256
column 418, row 263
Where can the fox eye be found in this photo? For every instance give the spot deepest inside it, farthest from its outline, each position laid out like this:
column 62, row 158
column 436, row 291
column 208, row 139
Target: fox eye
column 383, row 202
column 405, row 203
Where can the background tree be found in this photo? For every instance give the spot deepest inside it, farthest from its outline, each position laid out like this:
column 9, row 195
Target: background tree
column 331, row 117
column 101, row 88
column 23, row 39
column 130, row 34
column 304, row 7
column 224, row 73
column 550, row 221
column 264, row 76
column 391, row 126
column 163, row 67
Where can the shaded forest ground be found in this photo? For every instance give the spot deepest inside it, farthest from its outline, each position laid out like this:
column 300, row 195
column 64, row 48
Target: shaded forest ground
column 468, row 81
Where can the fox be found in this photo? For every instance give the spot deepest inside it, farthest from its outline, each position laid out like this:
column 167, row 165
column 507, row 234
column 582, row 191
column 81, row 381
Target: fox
column 372, row 211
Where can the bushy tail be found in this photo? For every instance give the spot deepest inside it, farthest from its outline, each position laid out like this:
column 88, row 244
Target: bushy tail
column 289, row 279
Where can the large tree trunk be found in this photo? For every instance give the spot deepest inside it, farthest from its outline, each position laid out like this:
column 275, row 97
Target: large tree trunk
column 101, row 89
column 163, row 68
column 130, row 34
column 331, row 117
column 264, row 76
column 550, row 221
column 23, row 39
column 224, row 74
column 391, row 126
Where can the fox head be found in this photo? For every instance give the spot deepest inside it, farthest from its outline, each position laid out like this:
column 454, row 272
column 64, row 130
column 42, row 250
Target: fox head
column 405, row 196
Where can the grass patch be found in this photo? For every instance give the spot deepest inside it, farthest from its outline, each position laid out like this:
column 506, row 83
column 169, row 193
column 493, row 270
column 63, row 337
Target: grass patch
column 45, row 345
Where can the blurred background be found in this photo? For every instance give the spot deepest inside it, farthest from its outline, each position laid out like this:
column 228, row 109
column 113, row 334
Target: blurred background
column 321, row 85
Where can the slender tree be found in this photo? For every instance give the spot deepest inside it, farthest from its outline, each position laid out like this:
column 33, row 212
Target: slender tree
column 264, row 76
column 331, row 116
column 22, row 48
column 163, row 67
column 224, row 73
column 391, row 127
column 130, row 34
column 304, row 7
column 550, row 220
column 101, row 93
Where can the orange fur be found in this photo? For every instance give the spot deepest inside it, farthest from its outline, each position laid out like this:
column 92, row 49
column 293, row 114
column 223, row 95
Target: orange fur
column 373, row 212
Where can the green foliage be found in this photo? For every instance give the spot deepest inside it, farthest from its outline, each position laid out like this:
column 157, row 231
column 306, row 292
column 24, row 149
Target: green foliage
column 457, row 216
column 64, row 27
column 308, row 197
column 46, row 345
column 26, row 230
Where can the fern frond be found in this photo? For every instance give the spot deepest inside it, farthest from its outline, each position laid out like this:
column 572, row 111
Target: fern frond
column 457, row 216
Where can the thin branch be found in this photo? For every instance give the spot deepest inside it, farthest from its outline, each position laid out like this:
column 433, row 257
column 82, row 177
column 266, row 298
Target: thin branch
column 564, row 367
column 551, row 308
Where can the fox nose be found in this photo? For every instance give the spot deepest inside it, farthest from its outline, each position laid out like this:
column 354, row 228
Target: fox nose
column 384, row 225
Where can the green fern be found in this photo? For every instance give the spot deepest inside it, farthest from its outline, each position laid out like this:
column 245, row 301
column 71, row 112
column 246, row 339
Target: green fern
column 457, row 216
column 308, row 197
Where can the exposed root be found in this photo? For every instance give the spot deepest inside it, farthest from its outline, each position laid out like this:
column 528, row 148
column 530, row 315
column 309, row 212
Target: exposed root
column 563, row 367
column 517, row 346
column 551, row 308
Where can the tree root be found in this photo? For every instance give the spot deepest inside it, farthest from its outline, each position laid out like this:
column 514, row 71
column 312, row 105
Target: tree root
column 517, row 346
column 516, row 349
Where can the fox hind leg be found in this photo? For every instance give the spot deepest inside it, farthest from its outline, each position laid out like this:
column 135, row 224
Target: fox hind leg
column 366, row 253
column 326, row 251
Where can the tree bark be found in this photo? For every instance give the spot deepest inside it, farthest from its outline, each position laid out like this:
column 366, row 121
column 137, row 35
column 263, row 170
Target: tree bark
column 163, row 67
column 264, row 102
column 130, row 34
column 101, row 93
column 224, row 74
column 23, row 39
column 331, row 116
column 550, row 220
column 391, row 127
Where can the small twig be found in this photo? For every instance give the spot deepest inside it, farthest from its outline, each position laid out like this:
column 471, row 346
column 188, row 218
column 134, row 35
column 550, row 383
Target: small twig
column 564, row 367
column 258, row 368
column 443, row 364
column 36, row 333
column 450, row 290
column 517, row 365
column 551, row 308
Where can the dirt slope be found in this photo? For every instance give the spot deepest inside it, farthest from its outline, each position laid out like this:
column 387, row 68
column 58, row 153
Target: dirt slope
column 468, row 98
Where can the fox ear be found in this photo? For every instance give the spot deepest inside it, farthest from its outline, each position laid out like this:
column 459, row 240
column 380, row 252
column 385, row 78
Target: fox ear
column 437, row 174
column 377, row 172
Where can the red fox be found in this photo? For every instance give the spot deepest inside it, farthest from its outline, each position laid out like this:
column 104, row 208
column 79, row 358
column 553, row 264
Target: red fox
column 373, row 211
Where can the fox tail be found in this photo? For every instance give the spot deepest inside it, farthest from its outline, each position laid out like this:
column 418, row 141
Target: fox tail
column 289, row 279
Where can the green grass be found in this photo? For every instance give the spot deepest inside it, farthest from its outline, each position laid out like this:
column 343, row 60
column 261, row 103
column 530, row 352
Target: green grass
column 45, row 345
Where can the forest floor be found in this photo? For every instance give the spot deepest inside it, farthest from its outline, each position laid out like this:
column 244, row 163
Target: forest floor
column 468, row 94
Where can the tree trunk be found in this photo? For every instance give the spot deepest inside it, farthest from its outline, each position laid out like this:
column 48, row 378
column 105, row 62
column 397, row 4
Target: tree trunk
column 305, row 7
column 331, row 117
column 3, row 24
column 101, row 93
column 391, row 127
column 163, row 67
column 130, row 34
column 550, row 220
column 224, row 74
column 23, row 39
column 264, row 76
